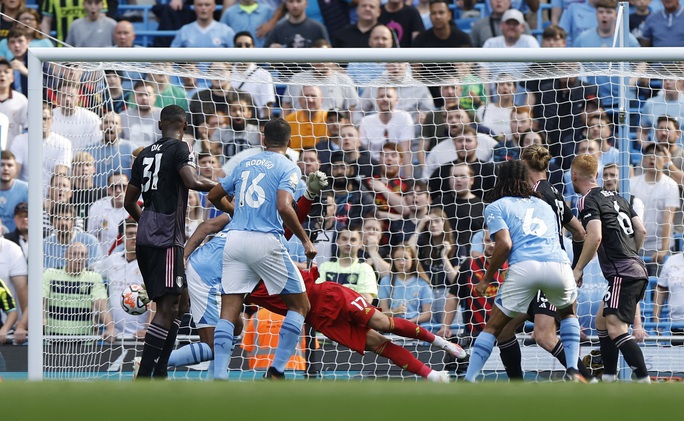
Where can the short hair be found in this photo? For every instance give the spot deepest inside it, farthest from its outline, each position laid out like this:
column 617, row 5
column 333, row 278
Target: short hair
column 610, row 166
column 173, row 114
column 391, row 146
column 128, row 222
column 653, row 148
column 537, row 157
column 606, row 4
column 18, row 31
column 277, row 132
column 338, row 114
column 337, row 156
column 321, row 43
column 142, row 82
column 464, row 164
column 584, row 166
column 554, row 32
column 521, row 109
column 6, row 154
column 243, row 34
column 468, row 130
column 511, row 182
column 114, row 174
column 82, row 158
column 667, row 118
column 4, row 62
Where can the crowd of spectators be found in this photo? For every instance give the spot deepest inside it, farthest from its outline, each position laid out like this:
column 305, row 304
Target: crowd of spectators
column 409, row 162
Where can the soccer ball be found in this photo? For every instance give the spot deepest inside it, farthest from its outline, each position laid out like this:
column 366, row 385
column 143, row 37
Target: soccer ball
column 134, row 300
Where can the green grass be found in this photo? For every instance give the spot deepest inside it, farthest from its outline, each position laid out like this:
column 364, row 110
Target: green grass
column 341, row 400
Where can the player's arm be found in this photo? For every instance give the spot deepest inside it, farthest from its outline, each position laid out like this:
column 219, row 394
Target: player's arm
column 592, row 240
column 314, row 183
column 639, row 232
column 220, row 199
column 502, row 249
column 574, row 226
column 289, row 216
column 194, row 181
column 131, row 202
column 210, row 226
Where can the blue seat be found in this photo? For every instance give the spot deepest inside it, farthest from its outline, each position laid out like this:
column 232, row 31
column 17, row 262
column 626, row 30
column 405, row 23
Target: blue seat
column 465, row 24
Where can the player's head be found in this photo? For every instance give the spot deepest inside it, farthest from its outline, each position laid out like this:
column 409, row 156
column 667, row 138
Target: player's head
column 536, row 157
column 277, row 133
column 511, row 182
column 584, row 169
column 173, row 117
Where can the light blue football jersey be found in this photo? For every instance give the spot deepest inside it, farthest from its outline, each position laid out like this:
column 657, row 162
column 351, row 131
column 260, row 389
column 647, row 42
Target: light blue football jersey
column 532, row 226
column 207, row 259
column 255, row 183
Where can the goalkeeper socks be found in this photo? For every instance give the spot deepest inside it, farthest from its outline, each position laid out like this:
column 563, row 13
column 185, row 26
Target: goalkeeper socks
column 190, row 354
column 609, row 353
column 632, row 354
column 570, row 337
column 154, row 344
column 289, row 335
column 482, row 349
column 403, row 327
column 161, row 368
column 511, row 358
column 223, row 343
column 403, row 358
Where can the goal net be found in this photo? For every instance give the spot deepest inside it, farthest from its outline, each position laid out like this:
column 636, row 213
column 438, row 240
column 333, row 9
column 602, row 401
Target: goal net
column 410, row 142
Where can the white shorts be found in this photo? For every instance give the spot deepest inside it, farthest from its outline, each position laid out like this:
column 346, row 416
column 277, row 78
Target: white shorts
column 249, row 257
column 205, row 300
column 524, row 279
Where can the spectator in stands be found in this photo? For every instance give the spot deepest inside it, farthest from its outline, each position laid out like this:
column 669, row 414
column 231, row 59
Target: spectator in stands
column 611, row 182
column 12, row 191
column 84, row 190
column 20, row 234
column 337, row 88
column 372, row 252
column 124, row 34
column 72, row 291
column 639, row 11
column 252, row 78
column 308, row 122
column 404, row 293
column 205, row 32
column 413, row 96
column 602, row 34
column 119, row 270
column 61, row 15
column 601, row 129
column 437, row 255
column 497, row 115
column 554, row 37
column 466, row 151
column 512, row 36
column 214, row 99
column 10, row 11
column 79, row 125
column 582, row 147
column 54, row 145
column 669, row 101
column 354, row 201
column 366, row 73
column 670, row 288
column 115, row 92
column 95, row 29
column 661, row 198
column 417, row 202
column 459, row 136
column 443, row 33
column 435, row 126
column 247, row 16
column 389, row 188
column 18, row 43
column 239, row 134
column 358, row 35
column 140, row 123
column 389, row 124
column 510, row 148
column 106, row 214
column 63, row 218
column 347, row 270
column 665, row 27
column 462, row 294
column 297, row 30
column 668, row 135
column 354, row 152
column 113, row 152
column 473, row 93
column 403, row 19
column 30, row 18
column 308, row 162
column 9, row 309
column 533, row 138
column 166, row 92
column 490, row 26
column 59, row 193
column 14, row 273
column 578, row 18
column 333, row 121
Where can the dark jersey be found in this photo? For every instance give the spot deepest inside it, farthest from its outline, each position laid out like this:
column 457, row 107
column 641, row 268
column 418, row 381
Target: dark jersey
column 63, row 13
column 618, row 254
column 550, row 195
column 156, row 172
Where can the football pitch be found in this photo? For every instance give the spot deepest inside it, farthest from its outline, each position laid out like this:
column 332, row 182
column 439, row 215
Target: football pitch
column 338, row 400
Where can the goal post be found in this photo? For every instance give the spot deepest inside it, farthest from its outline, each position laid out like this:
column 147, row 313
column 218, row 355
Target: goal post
column 547, row 63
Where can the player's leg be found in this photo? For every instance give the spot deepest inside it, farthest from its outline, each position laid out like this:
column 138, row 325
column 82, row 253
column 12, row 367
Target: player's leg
column 157, row 334
column 407, row 329
column 195, row 352
column 619, row 312
column 509, row 348
column 297, row 308
column 609, row 352
column 382, row 346
column 485, row 341
column 161, row 369
column 224, row 334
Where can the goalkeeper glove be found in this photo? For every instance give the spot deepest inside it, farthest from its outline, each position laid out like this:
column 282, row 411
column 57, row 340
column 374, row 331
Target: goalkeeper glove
column 142, row 294
column 314, row 183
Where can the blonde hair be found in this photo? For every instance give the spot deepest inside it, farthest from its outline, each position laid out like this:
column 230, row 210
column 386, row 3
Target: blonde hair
column 585, row 166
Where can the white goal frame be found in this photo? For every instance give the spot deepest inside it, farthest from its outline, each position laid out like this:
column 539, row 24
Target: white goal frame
column 39, row 56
